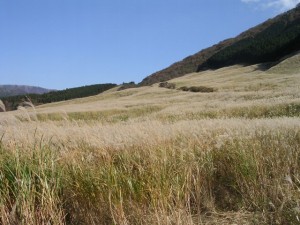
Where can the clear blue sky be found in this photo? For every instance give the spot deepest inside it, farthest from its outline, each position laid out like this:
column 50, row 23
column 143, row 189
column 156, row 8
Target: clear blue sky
column 67, row 43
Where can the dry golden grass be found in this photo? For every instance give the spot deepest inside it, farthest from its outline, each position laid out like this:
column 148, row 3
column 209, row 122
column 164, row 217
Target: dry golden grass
column 290, row 65
column 237, row 87
column 2, row 107
column 157, row 156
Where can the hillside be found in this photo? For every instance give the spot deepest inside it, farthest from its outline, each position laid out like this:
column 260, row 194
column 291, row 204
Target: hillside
column 11, row 90
column 268, row 41
column 280, row 38
column 153, row 155
column 158, row 154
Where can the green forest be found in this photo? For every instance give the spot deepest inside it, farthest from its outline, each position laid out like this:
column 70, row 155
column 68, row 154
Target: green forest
column 270, row 45
column 12, row 102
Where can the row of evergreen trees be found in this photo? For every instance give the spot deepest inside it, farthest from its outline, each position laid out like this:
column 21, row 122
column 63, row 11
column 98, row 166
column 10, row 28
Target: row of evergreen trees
column 12, row 102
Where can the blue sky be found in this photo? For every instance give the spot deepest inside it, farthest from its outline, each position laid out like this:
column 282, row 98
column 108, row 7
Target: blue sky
column 68, row 43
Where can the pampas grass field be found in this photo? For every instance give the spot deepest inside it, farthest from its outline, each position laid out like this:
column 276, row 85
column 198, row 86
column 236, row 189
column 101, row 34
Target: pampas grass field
column 152, row 155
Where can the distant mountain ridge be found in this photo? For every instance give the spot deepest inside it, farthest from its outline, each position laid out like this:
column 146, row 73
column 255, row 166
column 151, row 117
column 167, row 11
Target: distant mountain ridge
column 268, row 41
column 12, row 102
column 12, row 90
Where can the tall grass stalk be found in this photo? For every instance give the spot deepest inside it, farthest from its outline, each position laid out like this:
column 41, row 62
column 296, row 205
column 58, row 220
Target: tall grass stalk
column 29, row 187
column 2, row 106
column 157, row 156
column 177, row 181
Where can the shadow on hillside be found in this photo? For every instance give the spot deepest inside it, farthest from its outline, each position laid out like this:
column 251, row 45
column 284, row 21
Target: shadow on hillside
column 265, row 66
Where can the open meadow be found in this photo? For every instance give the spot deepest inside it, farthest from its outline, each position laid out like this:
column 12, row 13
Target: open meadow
column 153, row 155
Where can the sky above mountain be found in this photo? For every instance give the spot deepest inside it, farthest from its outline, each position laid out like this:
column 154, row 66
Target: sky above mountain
column 67, row 43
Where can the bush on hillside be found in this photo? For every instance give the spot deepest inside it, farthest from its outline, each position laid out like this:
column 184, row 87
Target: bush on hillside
column 202, row 89
column 167, row 85
column 184, row 88
column 127, row 85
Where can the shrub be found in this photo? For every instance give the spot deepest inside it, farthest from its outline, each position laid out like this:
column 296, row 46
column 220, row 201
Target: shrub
column 167, row 85
column 184, row 88
column 127, row 85
column 202, row 89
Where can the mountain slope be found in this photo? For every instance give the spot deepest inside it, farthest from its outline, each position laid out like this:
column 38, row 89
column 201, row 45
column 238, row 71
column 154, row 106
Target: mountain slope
column 187, row 65
column 289, row 65
column 268, row 41
column 11, row 90
column 280, row 38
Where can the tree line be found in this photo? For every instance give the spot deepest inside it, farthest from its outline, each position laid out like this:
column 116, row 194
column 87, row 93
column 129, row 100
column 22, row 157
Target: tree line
column 270, row 45
column 12, row 102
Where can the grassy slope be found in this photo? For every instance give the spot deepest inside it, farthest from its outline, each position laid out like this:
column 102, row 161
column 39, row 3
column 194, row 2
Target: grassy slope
column 152, row 155
column 287, row 66
column 268, row 41
column 237, row 87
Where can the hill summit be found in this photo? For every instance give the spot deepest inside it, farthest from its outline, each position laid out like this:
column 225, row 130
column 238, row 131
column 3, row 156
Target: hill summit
column 12, row 90
column 267, row 42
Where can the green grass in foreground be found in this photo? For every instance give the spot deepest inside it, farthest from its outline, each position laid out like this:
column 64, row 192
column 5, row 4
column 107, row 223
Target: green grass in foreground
column 180, row 181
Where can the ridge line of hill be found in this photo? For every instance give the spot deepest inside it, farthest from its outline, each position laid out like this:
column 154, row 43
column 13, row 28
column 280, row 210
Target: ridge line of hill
column 11, row 90
column 283, row 30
